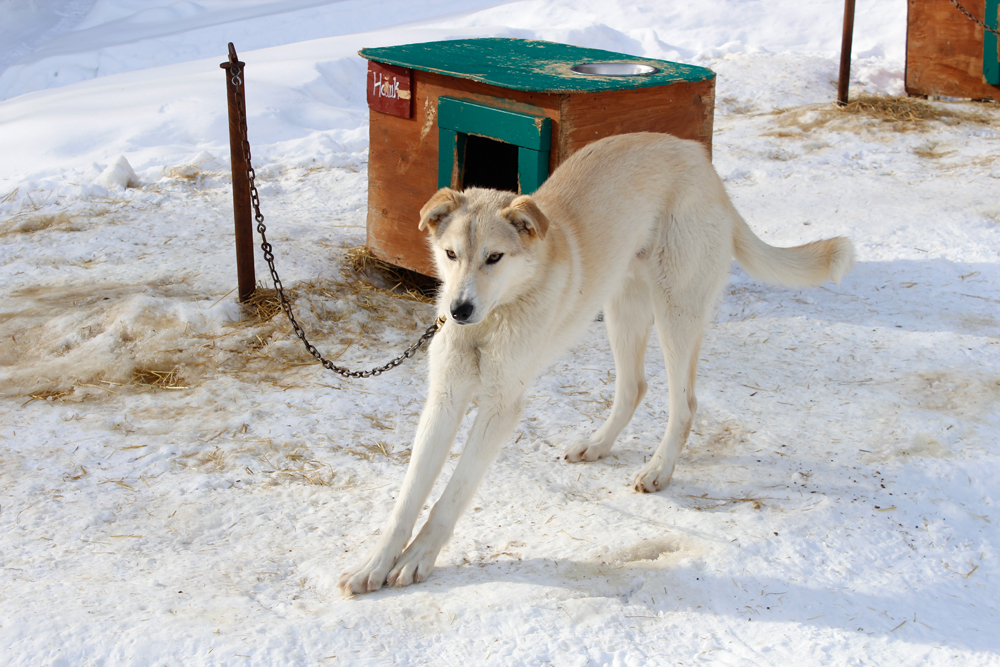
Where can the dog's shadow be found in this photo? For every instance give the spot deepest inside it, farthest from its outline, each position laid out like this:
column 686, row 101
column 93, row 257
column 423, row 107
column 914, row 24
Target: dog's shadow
column 654, row 592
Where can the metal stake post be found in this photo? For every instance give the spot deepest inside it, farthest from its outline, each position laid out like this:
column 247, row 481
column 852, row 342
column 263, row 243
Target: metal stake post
column 235, row 93
column 845, row 52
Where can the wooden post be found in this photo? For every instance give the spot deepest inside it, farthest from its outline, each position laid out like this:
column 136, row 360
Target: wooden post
column 235, row 93
column 845, row 53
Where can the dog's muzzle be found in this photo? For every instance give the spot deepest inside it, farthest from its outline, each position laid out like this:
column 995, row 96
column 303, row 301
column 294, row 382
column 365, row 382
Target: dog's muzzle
column 461, row 311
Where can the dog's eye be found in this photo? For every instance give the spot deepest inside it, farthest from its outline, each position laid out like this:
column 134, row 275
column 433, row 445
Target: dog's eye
column 494, row 258
column 451, row 254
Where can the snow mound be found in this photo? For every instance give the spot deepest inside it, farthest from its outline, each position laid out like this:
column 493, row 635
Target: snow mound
column 119, row 175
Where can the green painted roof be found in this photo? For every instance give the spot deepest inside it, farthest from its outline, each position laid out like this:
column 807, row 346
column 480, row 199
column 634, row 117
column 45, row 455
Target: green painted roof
column 530, row 65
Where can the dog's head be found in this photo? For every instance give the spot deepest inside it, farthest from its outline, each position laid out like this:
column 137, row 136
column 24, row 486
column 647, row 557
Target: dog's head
column 485, row 245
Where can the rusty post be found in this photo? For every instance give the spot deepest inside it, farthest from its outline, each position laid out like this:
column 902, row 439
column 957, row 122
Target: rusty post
column 235, row 93
column 845, row 53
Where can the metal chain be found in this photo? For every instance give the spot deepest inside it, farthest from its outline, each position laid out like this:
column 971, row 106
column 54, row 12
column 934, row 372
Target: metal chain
column 973, row 18
column 269, row 258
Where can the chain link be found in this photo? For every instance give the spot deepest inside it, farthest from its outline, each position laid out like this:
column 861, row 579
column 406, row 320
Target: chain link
column 269, row 258
column 972, row 18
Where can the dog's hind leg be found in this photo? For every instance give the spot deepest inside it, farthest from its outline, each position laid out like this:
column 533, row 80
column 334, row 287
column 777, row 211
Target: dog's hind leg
column 680, row 335
column 628, row 317
column 495, row 421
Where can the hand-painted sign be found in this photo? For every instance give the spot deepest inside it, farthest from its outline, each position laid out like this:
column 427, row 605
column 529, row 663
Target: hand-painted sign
column 389, row 89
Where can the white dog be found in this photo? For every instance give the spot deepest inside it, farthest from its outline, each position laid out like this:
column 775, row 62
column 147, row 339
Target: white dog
column 636, row 224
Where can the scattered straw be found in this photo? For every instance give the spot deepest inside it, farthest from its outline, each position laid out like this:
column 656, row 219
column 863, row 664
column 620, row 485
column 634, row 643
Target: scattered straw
column 95, row 386
column 578, row 539
column 309, row 471
column 219, row 300
column 398, row 282
column 381, row 448
column 928, row 151
column 215, row 459
column 73, row 477
column 384, row 448
column 47, row 396
column 263, row 304
column 154, row 379
column 184, row 172
column 903, row 113
column 37, row 222
column 754, row 502
column 364, row 276
column 907, row 110
column 377, row 423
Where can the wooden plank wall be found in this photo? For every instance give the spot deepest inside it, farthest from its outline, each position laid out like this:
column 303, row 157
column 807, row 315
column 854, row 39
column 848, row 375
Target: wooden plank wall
column 685, row 110
column 944, row 50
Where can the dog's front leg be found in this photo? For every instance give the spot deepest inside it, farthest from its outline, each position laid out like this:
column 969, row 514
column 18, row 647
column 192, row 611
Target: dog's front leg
column 493, row 425
column 449, row 395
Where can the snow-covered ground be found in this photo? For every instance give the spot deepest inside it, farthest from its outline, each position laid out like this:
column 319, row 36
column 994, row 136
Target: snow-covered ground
column 836, row 503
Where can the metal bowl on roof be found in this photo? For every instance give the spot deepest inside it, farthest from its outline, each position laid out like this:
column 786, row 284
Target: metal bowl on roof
column 613, row 69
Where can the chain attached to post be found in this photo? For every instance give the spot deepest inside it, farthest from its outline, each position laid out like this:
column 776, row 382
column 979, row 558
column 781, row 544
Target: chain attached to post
column 236, row 73
column 972, row 18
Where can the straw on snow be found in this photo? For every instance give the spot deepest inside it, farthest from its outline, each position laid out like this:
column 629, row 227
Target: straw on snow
column 904, row 113
column 907, row 110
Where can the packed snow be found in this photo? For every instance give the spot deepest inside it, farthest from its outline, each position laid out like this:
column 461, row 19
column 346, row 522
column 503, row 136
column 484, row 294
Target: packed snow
column 179, row 485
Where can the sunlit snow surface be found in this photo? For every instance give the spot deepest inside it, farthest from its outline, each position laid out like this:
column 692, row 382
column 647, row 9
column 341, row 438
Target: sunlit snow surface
column 836, row 503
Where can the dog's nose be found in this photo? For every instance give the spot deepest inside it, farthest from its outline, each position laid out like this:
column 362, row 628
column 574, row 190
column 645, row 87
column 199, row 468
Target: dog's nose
column 462, row 311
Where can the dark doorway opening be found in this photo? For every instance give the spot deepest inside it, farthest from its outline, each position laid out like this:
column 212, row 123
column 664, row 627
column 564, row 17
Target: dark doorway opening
column 490, row 164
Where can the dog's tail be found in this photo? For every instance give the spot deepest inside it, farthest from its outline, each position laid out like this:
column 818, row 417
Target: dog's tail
column 801, row 266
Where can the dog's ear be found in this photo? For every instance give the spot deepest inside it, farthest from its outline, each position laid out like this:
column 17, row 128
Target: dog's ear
column 444, row 202
column 525, row 215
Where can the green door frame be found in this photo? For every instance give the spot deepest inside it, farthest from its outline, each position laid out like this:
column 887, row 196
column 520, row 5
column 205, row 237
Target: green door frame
column 991, row 60
column 532, row 134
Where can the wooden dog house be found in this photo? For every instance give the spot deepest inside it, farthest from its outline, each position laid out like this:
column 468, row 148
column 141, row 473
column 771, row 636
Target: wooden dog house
column 504, row 113
column 949, row 54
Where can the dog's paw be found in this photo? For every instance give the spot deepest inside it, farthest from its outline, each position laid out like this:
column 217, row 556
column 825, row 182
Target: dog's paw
column 586, row 451
column 653, row 478
column 369, row 577
column 414, row 566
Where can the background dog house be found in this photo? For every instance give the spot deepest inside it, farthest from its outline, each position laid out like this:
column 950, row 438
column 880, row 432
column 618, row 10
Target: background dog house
column 949, row 54
column 503, row 113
